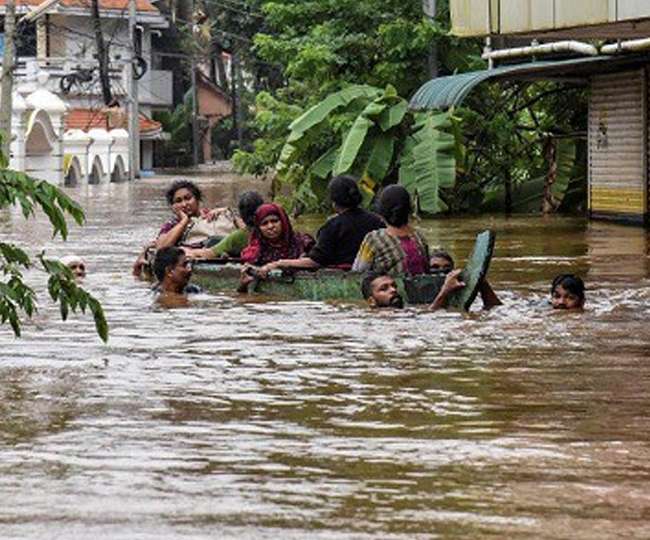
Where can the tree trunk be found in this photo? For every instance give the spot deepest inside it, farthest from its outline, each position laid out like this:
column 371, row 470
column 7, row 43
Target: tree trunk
column 102, row 54
column 508, row 188
column 8, row 61
column 549, row 203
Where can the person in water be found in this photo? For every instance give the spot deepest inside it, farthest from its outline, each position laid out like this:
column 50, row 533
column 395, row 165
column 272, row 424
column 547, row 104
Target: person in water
column 380, row 290
column 567, row 292
column 76, row 265
column 338, row 240
column 441, row 261
column 192, row 225
column 399, row 248
column 236, row 241
column 173, row 271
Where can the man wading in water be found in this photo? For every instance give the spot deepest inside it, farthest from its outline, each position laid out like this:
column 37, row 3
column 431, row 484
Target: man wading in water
column 380, row 290
column 173, row 271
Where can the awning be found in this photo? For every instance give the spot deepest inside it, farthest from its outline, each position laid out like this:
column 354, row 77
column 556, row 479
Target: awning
column 445, row 92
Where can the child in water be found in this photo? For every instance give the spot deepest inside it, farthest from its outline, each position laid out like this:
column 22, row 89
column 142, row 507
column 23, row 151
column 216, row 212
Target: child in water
column 567, row 292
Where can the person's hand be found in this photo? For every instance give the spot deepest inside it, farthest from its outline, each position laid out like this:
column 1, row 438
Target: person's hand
column 239, row 223
column 452, row 282
column 181, row 215
column 264, row 270
column 211, row 215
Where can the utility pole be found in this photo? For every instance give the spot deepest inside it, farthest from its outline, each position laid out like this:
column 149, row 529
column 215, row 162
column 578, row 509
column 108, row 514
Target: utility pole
column 102, row 54
column 8, row 64
column 133, row 102
column 195, row 116
column 431, row 10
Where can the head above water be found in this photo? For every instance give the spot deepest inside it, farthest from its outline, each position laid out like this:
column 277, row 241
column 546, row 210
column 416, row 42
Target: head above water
column 380, row 291
column 172, row 269
column 249, row 202
column 567, row 292
column 344, row 192
column 76, row 265
column 441, row 261
column 194, row 190
column 395, row 205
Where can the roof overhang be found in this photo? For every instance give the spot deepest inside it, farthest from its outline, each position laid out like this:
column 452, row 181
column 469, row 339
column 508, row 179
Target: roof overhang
column 445, row 92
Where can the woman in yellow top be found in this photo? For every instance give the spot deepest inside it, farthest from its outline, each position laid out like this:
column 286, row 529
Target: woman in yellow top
column 399, row 248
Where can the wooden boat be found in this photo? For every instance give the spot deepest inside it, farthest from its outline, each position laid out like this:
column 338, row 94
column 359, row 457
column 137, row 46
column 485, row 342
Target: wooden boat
column 326, row 284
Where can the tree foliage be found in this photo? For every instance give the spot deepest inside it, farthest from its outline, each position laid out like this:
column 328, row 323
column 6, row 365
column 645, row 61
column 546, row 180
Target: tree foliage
column 501, row 135
column 16, row 296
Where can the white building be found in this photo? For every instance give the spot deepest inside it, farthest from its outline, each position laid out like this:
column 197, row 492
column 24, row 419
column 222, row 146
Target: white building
column 61, row 130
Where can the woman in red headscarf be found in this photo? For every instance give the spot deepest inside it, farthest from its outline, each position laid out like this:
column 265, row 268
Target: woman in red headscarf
column 273, row 238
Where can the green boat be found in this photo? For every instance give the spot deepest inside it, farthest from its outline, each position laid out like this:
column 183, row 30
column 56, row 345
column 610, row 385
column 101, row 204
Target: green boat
column 329, row 284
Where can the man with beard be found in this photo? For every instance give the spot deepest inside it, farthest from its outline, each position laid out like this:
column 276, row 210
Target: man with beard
column 380, row 290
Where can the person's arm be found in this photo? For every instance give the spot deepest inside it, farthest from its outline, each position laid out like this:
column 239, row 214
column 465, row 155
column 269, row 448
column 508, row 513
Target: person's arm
column 173, row 235
column 303, row 262
column 489, row 297
column 365, row 256
column 452, row 283
column 199, row 253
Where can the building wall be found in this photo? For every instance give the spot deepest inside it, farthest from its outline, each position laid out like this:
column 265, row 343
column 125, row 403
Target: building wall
column 482, row 17
column 618, row 145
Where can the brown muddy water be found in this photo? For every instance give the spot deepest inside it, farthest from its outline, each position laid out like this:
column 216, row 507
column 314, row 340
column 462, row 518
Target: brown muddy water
column 257, row 419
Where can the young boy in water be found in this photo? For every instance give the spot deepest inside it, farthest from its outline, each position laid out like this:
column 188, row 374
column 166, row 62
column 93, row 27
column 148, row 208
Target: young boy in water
column 567, row 292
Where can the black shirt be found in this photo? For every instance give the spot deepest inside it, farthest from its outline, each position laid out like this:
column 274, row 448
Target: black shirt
column 339, row 239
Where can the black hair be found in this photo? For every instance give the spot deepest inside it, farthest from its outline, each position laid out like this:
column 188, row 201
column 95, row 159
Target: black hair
column 182, row 184
column 344, row 192
column 442, row 254
column 367, row 281
column 395, row 205
column 249, row 202
column 166, row 258
column 570, row 283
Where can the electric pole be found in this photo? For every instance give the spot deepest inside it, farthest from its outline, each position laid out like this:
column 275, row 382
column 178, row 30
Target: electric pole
column 195, row 117
column 102, row 54
column 133, row 102
column 430, row 10
column 8, row 65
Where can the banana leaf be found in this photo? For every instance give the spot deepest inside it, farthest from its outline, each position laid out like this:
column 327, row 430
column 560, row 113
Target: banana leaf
column 381, row 157
column 428, row 162
column 356, row 137
column 316, row 114
column 323, row 166
column 393, row 116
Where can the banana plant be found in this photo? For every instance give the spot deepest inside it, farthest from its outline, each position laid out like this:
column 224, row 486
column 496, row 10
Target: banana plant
column 375, row 138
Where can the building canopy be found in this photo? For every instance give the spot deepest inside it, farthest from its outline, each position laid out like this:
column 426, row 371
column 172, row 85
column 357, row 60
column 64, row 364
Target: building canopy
column 445, row 92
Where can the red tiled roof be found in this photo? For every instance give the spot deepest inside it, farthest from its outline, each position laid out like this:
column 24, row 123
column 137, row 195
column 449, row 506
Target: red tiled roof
column 87, row 119
column 122, row 5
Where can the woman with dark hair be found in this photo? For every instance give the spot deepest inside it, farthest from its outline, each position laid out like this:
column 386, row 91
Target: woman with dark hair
column 398, row 249
column 192, row 226
column 273, row 237
column 236, row 241
column 567, row 292
column 338, row 240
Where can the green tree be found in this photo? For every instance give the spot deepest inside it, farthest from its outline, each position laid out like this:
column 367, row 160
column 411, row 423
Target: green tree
column 17, row 297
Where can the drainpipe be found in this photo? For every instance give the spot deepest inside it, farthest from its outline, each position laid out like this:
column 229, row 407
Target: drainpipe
column 487, row 52
column 546, row 48
column 629, row 46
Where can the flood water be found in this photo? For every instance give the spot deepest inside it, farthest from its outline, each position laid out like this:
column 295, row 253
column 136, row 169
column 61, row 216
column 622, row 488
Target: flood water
column 288, row 420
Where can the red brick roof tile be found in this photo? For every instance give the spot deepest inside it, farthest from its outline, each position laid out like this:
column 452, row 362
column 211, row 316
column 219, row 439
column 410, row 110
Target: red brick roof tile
column 87, row 119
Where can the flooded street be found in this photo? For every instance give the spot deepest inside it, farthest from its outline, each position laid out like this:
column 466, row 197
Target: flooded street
column 291, row 420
